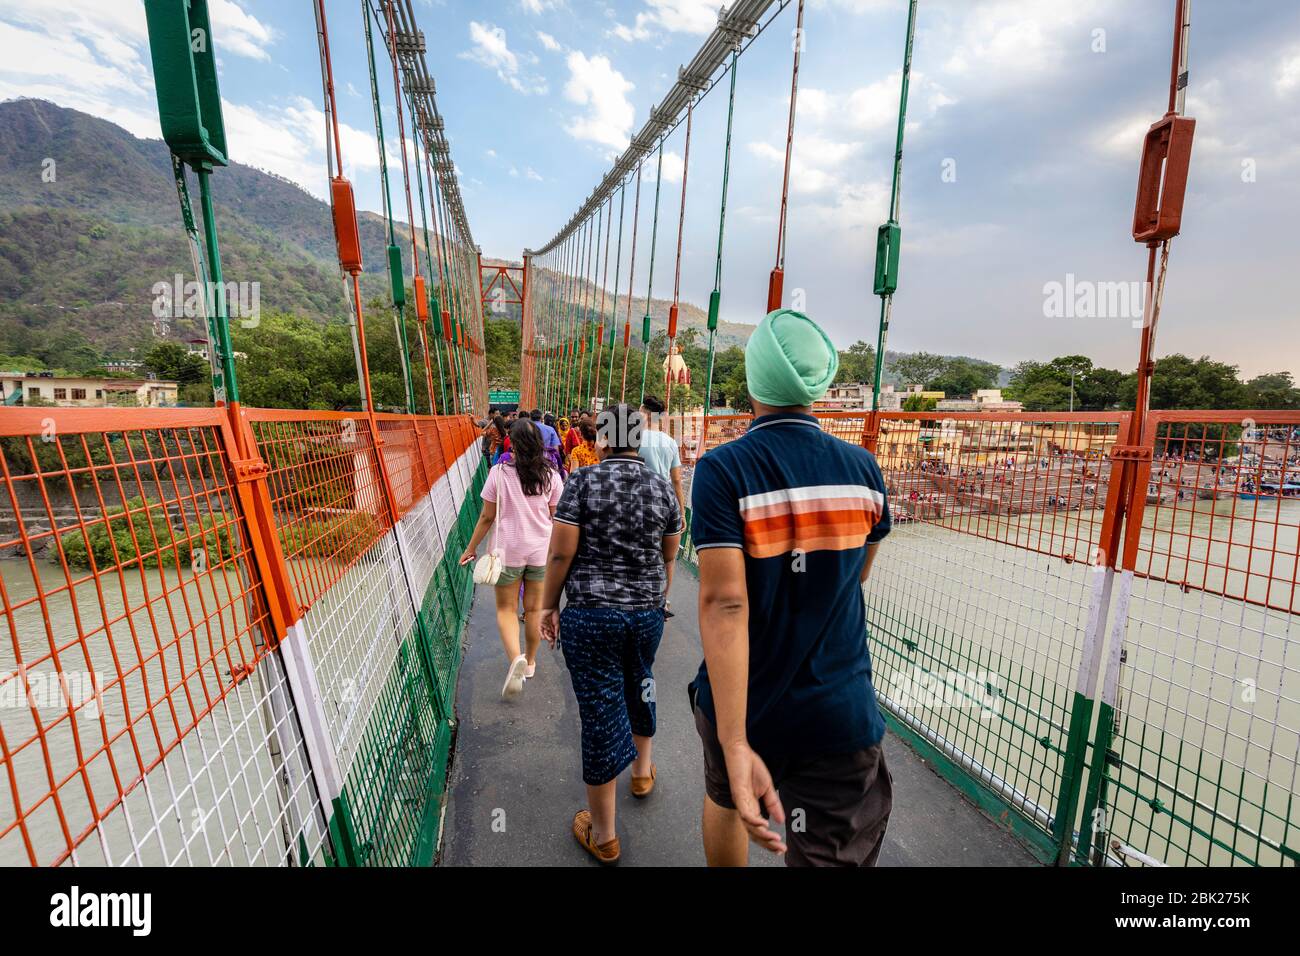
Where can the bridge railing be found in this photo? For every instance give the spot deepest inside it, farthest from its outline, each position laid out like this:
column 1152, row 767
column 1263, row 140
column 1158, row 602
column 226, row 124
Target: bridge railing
column 1201, row 756
column 229, row 640
column 1146, row 715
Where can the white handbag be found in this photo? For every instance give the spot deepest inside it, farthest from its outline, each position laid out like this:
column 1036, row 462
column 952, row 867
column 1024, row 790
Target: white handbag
column 487, row 570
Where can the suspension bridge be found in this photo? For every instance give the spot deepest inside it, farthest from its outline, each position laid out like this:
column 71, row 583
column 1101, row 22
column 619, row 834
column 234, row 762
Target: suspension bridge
column 239, row 635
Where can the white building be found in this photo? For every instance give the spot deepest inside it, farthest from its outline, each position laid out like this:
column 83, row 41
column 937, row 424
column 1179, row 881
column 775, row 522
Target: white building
column 27, row 388
column 984, row 400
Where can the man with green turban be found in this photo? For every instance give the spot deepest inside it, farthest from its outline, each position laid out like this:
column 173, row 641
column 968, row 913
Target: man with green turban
column 789, row 361
column 786, row 521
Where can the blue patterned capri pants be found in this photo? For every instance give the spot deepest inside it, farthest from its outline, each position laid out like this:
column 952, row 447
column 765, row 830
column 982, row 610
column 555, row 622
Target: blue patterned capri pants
column 610, row 654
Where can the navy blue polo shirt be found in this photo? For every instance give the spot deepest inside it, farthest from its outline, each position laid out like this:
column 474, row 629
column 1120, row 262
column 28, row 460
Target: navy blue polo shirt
column 803, row 506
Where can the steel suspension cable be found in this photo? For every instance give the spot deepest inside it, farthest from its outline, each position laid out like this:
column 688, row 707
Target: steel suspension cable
column 421, row 307
column 777, row 279
column 428, row 256
column 888, row 239
column 355, row 314
column 715, row 298
column 588, row 350
column 597, row 320
column 604, row 284
column 677, row 279
column 1178, row 74
column 456, row 291
column 654, row 237
column 446, row 301
column 580, row 315
column 577, row 265
column 394, row 253
column 430, row 248
column 631, row 278
column 613, row 312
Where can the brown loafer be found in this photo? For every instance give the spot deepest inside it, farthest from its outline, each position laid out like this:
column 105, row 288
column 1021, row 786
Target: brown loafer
column 641, row 786
column 606, row 854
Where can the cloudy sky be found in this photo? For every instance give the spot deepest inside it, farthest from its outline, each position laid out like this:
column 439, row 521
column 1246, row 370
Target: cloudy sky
column 1035, row 109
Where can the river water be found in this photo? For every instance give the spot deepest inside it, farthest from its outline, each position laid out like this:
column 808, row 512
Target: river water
column 219, row 787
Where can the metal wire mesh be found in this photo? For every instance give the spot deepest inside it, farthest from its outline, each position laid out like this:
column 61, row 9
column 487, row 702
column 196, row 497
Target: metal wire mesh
column 146, row 715
column 1203, row 765
column 404, row 457
column 135, row 669
column 327, row 492
column 396, row 772
column 976, row 614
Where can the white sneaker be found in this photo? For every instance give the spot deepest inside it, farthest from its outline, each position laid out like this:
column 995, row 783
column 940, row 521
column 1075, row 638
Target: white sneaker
column 514, row 678
column 531, row 672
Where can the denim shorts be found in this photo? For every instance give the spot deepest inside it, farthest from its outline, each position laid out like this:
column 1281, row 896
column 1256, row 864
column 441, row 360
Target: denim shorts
column 610, row 654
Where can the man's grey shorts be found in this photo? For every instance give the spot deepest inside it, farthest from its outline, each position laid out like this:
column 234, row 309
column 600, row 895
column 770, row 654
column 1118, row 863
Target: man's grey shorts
column 836, row 805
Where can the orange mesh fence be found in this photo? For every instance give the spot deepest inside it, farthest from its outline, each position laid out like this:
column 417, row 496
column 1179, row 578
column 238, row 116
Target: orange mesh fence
column 1037, row 481
column 849, row 426
column 1203, row 763
column 403, row 444
column 326, row 488
column 134, row 614
column 1221, row 507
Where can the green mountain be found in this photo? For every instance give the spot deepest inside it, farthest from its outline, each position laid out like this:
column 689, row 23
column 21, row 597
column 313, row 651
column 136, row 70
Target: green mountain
column 80, row 251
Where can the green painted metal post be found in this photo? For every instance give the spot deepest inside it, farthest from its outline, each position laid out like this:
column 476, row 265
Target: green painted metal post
column 887, row 239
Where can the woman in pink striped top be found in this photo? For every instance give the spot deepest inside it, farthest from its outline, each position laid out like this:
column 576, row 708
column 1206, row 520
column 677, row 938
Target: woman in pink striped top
column 523, row 491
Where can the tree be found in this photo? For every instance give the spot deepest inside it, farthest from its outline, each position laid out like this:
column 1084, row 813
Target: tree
column 919, row 368
column 69, row 350
column 732, row 383
column 919, row 403
column 1046, row 386
column 1274, row 390
column 1182, row 382
column 964, row 376
column 171, row 361
column 857, row 364
column 502, row 342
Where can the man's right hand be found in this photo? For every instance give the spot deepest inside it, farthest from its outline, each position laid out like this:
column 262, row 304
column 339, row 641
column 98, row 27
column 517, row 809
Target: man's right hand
column 752, row 791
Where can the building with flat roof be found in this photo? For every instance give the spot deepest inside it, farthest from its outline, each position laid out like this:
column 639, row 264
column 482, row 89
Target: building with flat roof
column 984, row 400
column 71, row 391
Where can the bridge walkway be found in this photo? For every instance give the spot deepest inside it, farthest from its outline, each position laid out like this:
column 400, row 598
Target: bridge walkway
column 516, row 780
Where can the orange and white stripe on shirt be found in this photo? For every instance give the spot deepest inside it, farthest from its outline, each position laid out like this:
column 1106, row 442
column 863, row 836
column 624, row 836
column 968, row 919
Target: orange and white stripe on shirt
column 811, row 518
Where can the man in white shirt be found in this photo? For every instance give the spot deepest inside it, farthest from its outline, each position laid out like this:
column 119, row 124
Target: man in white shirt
column 659, row 450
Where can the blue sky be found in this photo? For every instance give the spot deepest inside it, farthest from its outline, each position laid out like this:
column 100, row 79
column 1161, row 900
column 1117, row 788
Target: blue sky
column 1040, row 115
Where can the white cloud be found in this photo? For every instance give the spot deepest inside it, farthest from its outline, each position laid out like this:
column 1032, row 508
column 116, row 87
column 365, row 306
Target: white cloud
column 1288, row 75
column 673, row 167
column 594, row 83
column 238, row 31
column 93, row 56
column 1006, row 44
column 533, row 174
column 670, row 16
column 815, row 165
column 492, row 51
column 1123, row 138
column 537, row 7
column 549, row 41
column 289, row 140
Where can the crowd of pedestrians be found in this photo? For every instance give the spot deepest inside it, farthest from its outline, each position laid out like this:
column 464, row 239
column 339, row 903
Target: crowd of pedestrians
column 586, row 513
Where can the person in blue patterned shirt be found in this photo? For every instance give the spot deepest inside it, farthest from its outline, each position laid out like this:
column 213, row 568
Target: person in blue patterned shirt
column 616, row 532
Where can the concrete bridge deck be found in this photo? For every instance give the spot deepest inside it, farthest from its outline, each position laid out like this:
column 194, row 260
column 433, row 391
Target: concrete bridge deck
column 516, row 777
